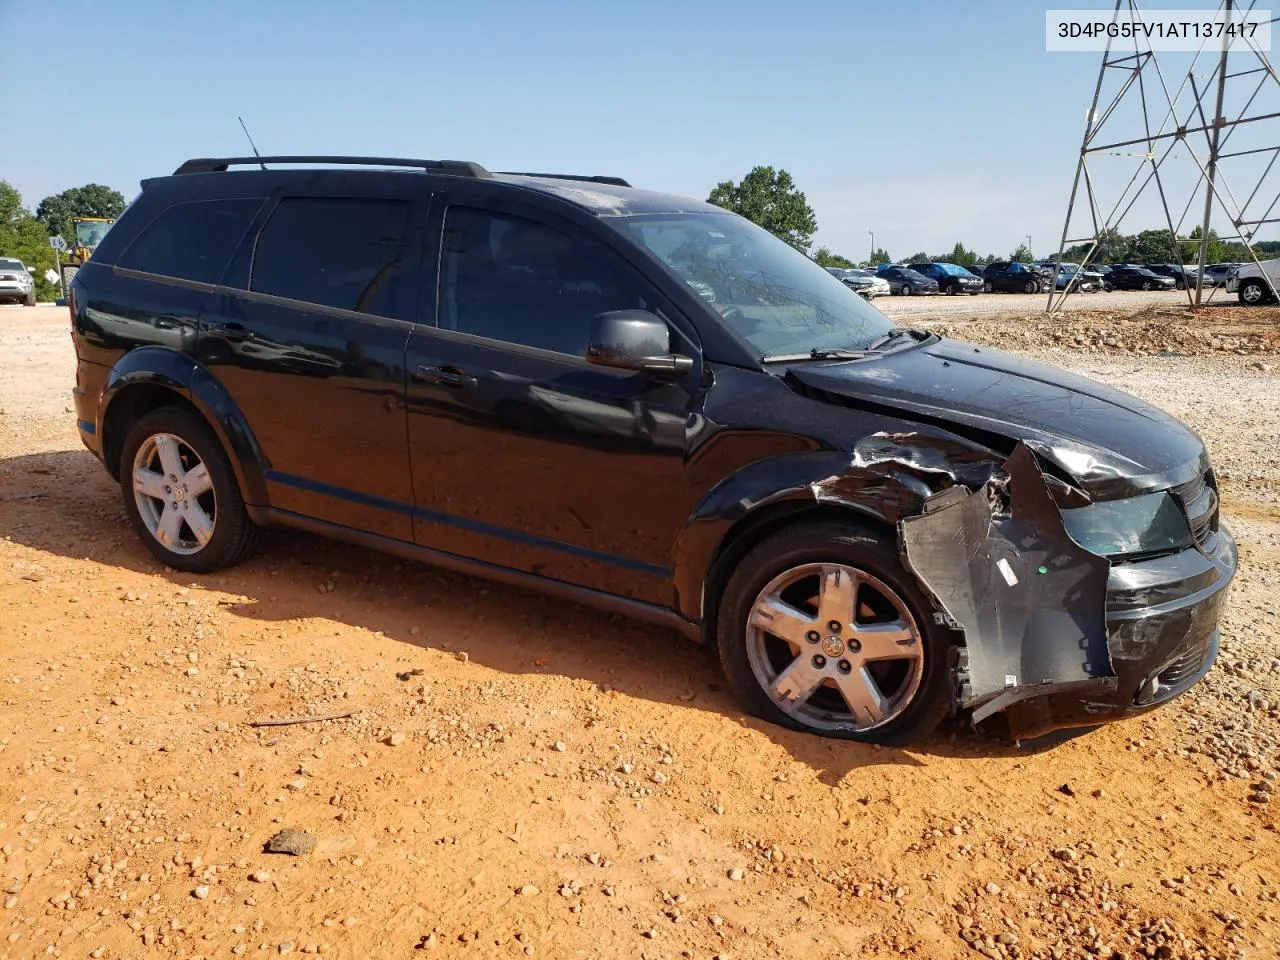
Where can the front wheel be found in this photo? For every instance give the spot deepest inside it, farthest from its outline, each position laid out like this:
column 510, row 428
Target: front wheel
column 986, row 286
column 181, row 495
column 30, row 299
column 1146, row 284
column 1252, row 293
column 821, row 629
column 1031, row 287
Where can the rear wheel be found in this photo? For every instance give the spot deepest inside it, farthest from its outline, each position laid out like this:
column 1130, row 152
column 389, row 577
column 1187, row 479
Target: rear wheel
column 181, row 495
column 821, row 629
column 905, row 290
column 1146, row 284
column 986, row 286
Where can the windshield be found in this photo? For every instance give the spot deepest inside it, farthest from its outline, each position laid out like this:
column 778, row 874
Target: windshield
column 89, row 233
column 6, row 264
column 951, row 270
column 769, row 293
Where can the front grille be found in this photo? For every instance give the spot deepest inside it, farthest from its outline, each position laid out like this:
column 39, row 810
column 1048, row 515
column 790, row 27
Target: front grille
column 1199, row 497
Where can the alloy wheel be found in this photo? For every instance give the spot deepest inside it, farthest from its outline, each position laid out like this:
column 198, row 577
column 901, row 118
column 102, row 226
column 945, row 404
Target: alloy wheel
column 835, row 647
column 174, row 494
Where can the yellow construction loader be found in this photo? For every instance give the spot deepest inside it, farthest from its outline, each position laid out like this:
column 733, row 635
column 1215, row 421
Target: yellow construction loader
column 89, row 232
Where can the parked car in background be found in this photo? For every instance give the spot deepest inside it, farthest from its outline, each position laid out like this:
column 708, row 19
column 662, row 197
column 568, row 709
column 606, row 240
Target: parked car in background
column 879, row 285
column 1250, row 284
column 1016, row 277
column 861, row 281
column 1070, row 276
column 1183, row 276
column 950, row 277
column 1217, row 274
column 16, row 285
column 1137, row 278
column 903, row 281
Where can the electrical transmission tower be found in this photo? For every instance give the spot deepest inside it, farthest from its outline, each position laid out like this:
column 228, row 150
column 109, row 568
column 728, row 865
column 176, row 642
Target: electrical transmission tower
column 1179, row 139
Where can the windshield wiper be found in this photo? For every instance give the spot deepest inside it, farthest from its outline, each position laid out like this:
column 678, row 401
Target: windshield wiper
column 817, row 353
column 895, row 334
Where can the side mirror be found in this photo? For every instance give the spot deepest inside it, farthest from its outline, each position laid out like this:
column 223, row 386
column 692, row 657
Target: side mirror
column 635, row 340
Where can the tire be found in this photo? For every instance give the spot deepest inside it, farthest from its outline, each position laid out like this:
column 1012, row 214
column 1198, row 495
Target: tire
column 226, row 534
column 1031, row 287
column 905, row 290
column 1179, row 285
column 973, row 293
column 911, row 689
column 986, row 286
column 1253, row 292
column 952, row 290
column 1146, row 284
column 30, row 299
column 1107, row 287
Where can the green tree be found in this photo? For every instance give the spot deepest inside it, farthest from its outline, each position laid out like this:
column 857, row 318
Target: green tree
column 880, row 256
column 24, row 237
column 1154, row 246
column 91, row 200
column 920, row 257
column 826, row 258
column 959, row 255
column 769, row 197
column 1022, row 254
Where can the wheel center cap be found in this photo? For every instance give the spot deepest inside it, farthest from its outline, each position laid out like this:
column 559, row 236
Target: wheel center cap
column 832, row 646
column 179, row 494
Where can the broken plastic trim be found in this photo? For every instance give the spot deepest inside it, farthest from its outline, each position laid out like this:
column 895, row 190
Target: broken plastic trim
column 1031, row 602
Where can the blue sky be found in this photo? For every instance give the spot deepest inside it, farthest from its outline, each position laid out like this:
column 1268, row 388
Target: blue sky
column 927, row 124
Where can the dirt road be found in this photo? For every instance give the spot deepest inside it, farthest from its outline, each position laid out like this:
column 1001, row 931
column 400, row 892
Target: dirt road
column 517, row 777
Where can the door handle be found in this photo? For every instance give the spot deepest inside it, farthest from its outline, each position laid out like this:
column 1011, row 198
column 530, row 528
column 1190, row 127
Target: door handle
column 229, row 331
column 446, row 376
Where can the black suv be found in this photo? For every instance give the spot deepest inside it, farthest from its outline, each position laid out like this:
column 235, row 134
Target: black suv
column 649, row 404
column 950, row 277
column 1015, row 277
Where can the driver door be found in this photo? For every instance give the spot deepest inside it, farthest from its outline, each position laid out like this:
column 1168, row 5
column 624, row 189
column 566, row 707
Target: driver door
column 523, row 453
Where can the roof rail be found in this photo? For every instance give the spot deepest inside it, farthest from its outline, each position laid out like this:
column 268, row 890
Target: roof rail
column 457, row 168
column 615, row 181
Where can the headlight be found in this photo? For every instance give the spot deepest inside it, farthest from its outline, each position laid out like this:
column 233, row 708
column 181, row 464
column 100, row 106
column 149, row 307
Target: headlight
column 1146, row 524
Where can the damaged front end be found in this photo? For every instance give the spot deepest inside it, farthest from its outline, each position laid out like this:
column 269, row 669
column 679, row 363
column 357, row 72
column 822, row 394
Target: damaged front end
column 1056, row 635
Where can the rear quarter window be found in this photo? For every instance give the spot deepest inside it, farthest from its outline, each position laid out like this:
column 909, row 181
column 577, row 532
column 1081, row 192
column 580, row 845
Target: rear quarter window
column 346, row 253
column 191, row 240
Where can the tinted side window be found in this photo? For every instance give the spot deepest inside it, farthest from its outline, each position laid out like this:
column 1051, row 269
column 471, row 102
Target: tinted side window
column 337, row 252
column 191, row 240
column 522, row 282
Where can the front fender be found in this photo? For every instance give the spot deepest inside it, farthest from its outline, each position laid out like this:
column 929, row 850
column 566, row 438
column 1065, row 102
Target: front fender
column 886, row 478
column 171, row 370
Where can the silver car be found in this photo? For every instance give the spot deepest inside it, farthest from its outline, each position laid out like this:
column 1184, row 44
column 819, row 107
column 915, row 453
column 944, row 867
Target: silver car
column 16, row 284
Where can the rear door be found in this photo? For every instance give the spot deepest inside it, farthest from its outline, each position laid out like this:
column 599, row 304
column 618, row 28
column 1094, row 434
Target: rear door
column 308, row 335
column 523, row 453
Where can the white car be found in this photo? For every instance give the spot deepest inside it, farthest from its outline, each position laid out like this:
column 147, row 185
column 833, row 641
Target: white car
column 1250, row 285
column 16, row 284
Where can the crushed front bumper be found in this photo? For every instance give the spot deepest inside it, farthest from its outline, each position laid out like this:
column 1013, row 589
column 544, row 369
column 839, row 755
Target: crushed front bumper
column 1162, row 631
column 1056, row 636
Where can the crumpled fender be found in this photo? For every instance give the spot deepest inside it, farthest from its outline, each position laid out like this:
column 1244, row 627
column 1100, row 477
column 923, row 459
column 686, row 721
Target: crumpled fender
column 890, row 477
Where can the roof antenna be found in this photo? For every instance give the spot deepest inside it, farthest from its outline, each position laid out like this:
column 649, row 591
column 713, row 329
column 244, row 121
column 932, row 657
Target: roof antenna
column 252, row 144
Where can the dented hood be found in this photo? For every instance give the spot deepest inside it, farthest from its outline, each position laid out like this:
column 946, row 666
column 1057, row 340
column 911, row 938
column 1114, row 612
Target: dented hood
column 1112, row 444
